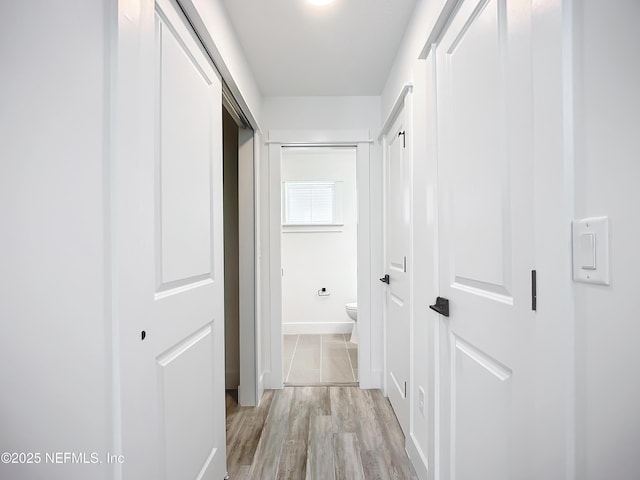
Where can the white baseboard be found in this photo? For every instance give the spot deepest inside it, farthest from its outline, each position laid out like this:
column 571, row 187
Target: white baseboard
column 303, row 328
column 271, row 380
column 418, row 458
column 370, row 380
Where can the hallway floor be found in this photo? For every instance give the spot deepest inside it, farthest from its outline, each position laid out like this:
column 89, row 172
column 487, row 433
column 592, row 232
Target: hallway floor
column 319, row 359
column 316, row 433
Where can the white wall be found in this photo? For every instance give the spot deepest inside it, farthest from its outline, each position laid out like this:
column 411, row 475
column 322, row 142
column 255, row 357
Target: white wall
column 422, row 21
column 327, row 113
column 312, row 260
column 607, row 175
column 54, row 208
column 321, row 113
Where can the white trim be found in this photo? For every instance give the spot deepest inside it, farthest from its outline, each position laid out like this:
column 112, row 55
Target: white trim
column 367, row 377
column 433, row 416
column 273, row 376
column 318, row 137
column 370, row 379
column 293, row 228
column 248, row 374
column 383, row 266
column 258, row 266
column 316, row 328
column 446, row 15
column 417, row 457
column 395, row 110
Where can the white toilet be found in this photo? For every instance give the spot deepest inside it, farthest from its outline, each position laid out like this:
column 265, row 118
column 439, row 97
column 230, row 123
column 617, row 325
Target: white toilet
column 352, row 311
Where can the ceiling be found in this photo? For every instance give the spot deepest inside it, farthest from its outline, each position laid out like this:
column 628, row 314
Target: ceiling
column 295, row 49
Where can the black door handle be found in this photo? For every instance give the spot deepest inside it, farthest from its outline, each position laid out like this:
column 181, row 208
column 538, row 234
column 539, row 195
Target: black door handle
column 441, row 306
column 385, row 279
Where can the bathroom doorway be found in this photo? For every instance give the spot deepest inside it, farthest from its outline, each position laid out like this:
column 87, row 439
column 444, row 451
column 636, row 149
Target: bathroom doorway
column 319, row 242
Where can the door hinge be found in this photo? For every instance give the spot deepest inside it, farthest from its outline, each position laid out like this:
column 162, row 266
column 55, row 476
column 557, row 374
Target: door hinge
column 534, row 290
column 405, row 389
column 404, row 139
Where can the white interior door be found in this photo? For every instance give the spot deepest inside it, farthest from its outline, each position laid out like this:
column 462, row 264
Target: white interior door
column 397, row 298
column 486, row 241
column 169, row 272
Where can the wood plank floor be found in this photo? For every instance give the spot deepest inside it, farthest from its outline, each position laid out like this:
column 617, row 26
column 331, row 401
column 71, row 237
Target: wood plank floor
column 316, row 433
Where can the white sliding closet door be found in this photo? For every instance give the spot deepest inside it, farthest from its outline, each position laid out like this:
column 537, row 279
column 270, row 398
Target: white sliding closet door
column 168, row 269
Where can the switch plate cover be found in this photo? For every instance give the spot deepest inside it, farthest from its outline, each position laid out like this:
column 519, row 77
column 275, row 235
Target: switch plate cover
column 591, row 250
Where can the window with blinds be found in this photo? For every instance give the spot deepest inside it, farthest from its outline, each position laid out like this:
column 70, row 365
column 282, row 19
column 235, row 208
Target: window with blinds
column 309, row 203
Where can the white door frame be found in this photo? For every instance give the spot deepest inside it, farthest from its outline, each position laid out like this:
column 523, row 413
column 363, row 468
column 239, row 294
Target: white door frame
column 359, row 139
column 249, row 391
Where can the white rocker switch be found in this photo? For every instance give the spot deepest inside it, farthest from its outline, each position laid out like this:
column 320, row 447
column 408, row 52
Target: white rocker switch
column 591, row 250
column 587, row 251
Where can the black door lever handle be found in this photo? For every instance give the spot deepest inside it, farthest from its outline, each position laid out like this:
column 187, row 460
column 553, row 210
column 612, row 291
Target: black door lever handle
column 441, row 306
column 385, row 279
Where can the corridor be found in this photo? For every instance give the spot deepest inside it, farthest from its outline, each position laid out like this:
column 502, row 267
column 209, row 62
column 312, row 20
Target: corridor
column 316, row 433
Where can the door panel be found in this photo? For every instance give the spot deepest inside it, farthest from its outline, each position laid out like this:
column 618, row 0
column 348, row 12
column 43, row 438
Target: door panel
column 397, row 231
column 185, row 388
column 480, row 438
column 486, row 240
column 480, row 195
column 184, row 154
column 168, row 271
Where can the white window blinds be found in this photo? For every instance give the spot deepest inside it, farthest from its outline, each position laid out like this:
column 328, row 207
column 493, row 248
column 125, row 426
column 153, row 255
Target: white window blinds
column 309, row 203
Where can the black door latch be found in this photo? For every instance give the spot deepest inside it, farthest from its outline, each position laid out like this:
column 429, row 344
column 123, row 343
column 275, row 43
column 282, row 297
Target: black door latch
column 441, row 306
column 385, row 279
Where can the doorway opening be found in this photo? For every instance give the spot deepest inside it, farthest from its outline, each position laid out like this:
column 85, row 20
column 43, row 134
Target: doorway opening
column 238, row 208
column 319, row 252
column 231, row 251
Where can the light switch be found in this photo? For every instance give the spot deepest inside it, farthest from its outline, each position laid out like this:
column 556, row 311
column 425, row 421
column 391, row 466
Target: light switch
column 587, row 251
column 591, row 250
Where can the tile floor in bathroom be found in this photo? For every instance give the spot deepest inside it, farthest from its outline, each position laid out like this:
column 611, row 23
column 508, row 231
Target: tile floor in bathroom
column 320, row 359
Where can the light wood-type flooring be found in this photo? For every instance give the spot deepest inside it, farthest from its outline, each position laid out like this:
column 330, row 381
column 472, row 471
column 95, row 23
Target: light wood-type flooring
column 316, row 433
